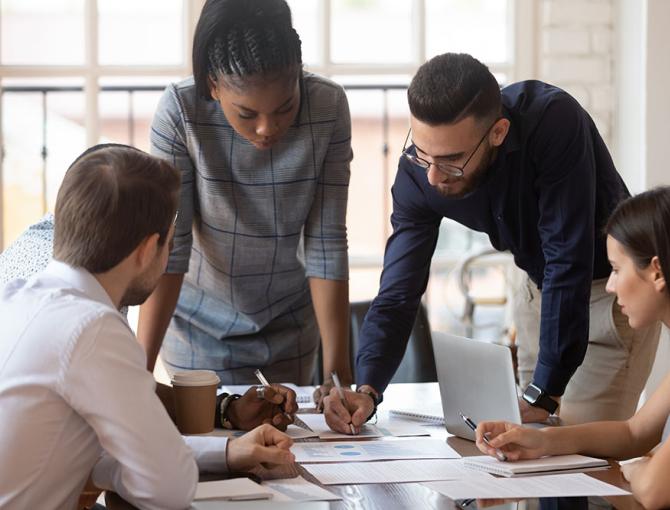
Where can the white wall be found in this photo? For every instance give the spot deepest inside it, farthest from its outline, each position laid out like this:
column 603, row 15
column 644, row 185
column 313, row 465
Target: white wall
column 576, row 53
column 643, row 109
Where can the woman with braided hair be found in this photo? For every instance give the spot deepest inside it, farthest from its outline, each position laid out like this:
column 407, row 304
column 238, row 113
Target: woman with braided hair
column 258, row 274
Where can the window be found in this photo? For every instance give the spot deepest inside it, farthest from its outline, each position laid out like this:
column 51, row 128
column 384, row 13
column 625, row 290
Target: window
column 97, row 73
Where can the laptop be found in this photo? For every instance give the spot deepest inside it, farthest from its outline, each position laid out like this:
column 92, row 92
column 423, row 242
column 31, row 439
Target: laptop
column 477, row 379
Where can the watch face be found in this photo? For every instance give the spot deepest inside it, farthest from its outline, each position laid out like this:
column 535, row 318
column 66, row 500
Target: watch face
column 532, row 393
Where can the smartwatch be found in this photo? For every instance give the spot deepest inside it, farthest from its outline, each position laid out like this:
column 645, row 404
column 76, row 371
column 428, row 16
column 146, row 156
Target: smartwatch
column 376, row 400
column 537, row 397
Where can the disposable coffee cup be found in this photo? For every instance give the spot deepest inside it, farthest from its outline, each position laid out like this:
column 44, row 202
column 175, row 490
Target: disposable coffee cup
column 195, row 400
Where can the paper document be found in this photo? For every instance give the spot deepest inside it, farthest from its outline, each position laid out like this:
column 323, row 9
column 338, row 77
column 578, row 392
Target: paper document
column 363, row 451
column 569, row 485
column 393, row 471
column 298, row 489
column 545, row 465
column 293, row 431
column 260, row 505
column 303, row 393
column 317, row 422
column 235, row 489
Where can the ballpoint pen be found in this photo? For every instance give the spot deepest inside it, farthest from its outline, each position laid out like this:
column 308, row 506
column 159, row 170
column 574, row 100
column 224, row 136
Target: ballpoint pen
column 336, row 380
column 294, row 419
column 500, row 455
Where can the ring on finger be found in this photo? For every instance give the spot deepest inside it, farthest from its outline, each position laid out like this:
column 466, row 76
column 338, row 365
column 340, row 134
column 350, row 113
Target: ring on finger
column 260, row 392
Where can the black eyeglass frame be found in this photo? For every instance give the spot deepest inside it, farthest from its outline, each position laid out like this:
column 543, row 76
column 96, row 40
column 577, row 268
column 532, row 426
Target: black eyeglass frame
column 446, row 168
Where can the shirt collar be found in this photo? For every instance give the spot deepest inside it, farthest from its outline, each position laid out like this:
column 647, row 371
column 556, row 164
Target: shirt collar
column 80, row 279
column 511, row 142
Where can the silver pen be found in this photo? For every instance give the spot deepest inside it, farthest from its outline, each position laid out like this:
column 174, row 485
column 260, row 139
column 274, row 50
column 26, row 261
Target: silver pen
column 296, row 421
column 500, row 455
column 336, row 380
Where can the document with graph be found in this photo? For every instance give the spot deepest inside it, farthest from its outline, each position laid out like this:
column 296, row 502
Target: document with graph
column 363, row 451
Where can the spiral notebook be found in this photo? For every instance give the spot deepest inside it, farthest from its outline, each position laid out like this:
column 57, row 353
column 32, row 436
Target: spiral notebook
column 545, row 465
column 433, row 418
column 303, row 394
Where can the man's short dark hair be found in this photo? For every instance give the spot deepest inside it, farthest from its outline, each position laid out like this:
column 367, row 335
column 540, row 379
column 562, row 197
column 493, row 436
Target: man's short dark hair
column 111, row 199
column 451, row 87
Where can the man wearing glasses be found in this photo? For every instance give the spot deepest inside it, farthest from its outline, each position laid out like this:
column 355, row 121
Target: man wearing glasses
column 527, row 166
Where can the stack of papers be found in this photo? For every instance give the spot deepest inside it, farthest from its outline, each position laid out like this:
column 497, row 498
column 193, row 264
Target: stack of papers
column 571, row 485
column 545, row 465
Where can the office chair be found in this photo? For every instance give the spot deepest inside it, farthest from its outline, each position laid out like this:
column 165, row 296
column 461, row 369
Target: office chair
column 418, row 364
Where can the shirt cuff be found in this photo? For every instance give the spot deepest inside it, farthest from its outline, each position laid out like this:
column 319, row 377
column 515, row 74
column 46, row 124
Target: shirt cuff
column 551, row 379
column 209, row 452
column 373, row 376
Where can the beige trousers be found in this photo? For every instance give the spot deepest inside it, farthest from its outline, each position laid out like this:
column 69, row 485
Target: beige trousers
column 618, row 360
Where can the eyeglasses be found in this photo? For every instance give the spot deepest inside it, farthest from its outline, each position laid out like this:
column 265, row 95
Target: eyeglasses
column 176, row 215
column 445, row 168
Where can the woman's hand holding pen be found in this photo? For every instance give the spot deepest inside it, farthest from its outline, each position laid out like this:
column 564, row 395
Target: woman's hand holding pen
column 275, row 405
column 338, row 417
column 515, row 441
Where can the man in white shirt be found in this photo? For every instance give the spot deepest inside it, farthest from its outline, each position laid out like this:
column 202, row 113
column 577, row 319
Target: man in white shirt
column 75, row 395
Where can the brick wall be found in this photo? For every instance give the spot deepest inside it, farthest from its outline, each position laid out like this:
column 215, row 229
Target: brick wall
column 576, row 53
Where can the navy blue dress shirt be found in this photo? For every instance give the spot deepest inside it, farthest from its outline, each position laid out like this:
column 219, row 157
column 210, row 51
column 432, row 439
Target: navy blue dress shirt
column 545, row 198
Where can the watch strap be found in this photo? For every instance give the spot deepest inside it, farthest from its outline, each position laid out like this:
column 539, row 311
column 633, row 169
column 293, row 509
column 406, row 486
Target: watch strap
column 225, row 404
column 545, row 402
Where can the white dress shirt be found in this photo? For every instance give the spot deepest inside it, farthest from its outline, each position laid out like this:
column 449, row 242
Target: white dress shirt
column 75, row 396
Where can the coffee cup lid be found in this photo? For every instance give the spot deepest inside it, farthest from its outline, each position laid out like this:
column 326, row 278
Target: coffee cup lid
column 195, row 378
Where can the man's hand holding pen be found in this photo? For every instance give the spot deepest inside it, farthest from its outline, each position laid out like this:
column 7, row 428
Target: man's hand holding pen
column 355, row 410
column 275, row 405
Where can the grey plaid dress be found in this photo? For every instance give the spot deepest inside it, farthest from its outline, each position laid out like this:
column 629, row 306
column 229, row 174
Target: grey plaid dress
column 253, row 226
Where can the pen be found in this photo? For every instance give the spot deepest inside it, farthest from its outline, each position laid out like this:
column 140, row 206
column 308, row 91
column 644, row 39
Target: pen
column 500, row 455
column 336, row 380
column 297, row 421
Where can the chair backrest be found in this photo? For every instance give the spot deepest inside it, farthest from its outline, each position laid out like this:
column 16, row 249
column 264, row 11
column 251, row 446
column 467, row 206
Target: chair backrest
column 418, row 364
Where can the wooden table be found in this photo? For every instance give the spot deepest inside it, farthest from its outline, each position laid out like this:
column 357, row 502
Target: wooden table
column 414, row 495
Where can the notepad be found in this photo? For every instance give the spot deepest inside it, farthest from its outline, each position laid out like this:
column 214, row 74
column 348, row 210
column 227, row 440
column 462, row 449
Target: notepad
column 235, row 489
column 545, row 465
column 436, row 419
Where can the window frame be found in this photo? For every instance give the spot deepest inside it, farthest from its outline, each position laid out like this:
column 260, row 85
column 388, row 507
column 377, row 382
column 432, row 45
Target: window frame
column 523, row 38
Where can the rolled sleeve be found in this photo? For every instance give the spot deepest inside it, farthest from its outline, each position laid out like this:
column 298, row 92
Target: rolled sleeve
column 168, row 141
column 326, row 229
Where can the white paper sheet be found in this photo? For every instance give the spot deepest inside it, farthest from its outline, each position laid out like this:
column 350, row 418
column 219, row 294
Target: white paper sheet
column 235, row 489
column 317, row 422
column 260, row 505
column 298, row 489
column 392, row 471
column 363, row 451
column 531, row 487
column 292, row 431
